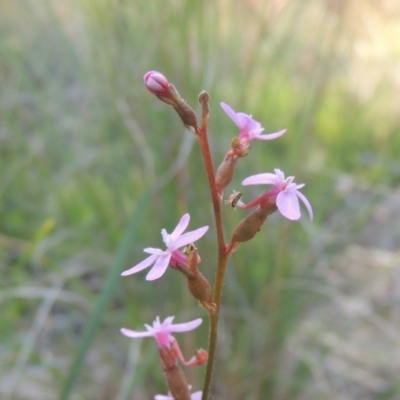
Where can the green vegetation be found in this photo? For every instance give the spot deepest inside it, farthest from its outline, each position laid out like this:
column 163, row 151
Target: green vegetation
column 309, row 306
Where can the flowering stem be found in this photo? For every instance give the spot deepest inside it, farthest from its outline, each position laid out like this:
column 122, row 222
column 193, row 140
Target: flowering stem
column 216, row 200
column 214, row 318
column 222, row 255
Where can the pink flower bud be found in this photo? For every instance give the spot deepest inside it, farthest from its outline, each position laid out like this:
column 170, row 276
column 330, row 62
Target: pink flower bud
column 157, row 83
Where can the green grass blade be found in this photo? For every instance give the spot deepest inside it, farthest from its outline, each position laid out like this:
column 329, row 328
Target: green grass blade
column 105, row 296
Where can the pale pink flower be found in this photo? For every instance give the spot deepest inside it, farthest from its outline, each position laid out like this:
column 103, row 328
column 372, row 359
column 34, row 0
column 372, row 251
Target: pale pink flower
column 161, row 331
column 285, row 191
column 162, row 258
column 156, row 83
column 193, row 396
column 249, row 128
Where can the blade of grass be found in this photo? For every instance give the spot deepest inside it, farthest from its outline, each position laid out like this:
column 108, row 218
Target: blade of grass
column 105, row 296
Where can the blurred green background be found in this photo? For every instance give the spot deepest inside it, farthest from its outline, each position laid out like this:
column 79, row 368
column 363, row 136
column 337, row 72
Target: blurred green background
column 311, row 309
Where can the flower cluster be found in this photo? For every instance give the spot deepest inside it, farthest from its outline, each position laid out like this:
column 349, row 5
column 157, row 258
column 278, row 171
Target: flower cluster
column 181, row 254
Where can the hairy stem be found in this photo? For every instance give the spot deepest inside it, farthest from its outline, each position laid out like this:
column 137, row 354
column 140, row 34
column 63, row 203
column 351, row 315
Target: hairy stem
column 222, row 255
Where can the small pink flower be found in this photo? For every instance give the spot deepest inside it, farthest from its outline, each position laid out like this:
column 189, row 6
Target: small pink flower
column 249, row 128
column 193, row 396
column 162, row 330
column 285, row 192
column 162, row 258
column 156, row 83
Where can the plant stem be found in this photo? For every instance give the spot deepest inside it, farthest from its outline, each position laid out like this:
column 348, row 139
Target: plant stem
column 205, row 149
column 214, row 319
column 222, row 255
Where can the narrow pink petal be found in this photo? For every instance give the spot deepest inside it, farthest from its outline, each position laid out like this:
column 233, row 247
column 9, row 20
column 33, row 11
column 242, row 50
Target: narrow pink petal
column 306, row 203
column 159, row 268
column 288, row 204
column 189, row 237
column 134, row 334
column 152, row 250
column 245, row 121
column 142, row 265
column 267, row 178
column 187, row 326
column 256, row 132
column 182, row 225
column 165, row 325
column 165, row 237
column 162, row 397
column 271, row 136
column 280, row 175
column 156, row 324
column 232, row 115
column 248, row 122
column 196, row 396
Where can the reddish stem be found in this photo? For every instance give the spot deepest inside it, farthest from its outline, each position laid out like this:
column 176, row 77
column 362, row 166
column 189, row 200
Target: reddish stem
column 222, row 254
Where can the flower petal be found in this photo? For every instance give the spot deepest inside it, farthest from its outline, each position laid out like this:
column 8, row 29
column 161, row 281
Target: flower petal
column 306, row 203
column 152, row 250
column 267, row 178
column 196, row 395
column 288, row 204
column 248, row 123
column 182, row 225
column 254, row 133
column 135, row 334
column 189, row 237
column 186, row 326
column 232, row 115
column 245, row 122
column 270, row 136
column 159, row 268
column 166, row 324
column 165, row 237
column 142, row 265
column 162, row 397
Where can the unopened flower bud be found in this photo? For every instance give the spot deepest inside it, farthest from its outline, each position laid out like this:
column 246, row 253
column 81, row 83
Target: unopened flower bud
column 204, row 99
column 157, row 84
column 200, row 357
column 251, row 224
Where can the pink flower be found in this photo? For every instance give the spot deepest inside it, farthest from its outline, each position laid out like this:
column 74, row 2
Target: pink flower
column 162, row 258
column 156, row 83
column 193, row 396
column 249, row 128
column 162, row 330
column 285, row 193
